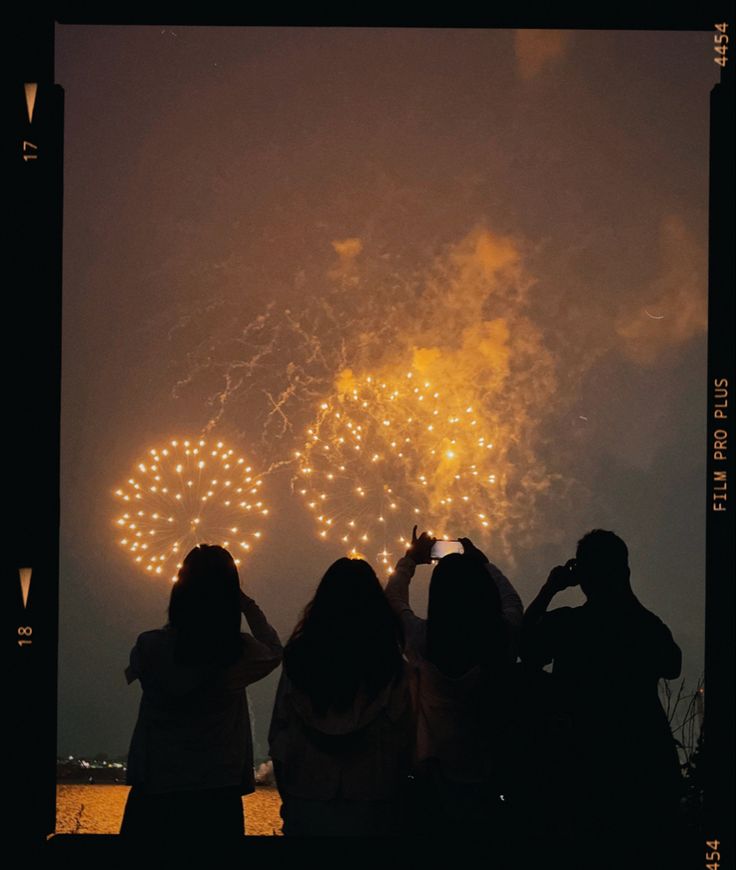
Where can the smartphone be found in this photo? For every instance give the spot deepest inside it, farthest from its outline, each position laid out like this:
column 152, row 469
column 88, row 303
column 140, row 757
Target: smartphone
column 440, row 549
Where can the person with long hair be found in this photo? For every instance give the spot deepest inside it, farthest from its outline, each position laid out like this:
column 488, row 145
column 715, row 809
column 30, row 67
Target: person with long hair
column 340, row 730
column 191, row 754
column 461, row 659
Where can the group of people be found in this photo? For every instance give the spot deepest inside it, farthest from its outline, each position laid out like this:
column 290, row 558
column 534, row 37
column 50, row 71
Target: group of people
column 385, row 723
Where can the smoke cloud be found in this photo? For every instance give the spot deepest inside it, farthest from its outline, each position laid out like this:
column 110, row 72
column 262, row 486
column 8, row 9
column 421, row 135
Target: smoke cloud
column 673, row 307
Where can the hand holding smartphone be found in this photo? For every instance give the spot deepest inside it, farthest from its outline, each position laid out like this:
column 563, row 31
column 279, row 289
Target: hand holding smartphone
column 564, row 576
column 440, row 549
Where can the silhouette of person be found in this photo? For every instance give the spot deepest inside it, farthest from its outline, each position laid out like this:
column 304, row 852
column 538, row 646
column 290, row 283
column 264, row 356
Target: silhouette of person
column 191, row 754
column 341, row 724
column 460, row 667
column 617, row 774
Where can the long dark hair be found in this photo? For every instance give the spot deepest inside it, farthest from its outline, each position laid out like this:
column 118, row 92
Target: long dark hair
column 464, row 623
column 204, row 608
column 348, row 637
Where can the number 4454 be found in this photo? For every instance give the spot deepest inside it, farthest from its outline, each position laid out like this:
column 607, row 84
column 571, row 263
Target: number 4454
column 721, row 44
column 713, row 856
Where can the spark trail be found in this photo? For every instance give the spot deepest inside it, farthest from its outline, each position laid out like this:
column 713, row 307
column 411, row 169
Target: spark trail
column 421, row 385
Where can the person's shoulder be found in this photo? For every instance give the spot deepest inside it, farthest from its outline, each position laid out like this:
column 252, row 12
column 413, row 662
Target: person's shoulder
column 151, row 648
column 154, row 637
column 163, row 632
column 648, row 618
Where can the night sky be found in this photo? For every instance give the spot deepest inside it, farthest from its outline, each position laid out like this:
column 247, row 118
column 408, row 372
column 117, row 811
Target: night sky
column 256, row 220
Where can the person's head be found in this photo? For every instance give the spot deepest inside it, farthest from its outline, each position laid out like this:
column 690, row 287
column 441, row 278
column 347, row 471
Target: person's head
column 204, row 608
column 464, row 624
column 602, row 564
column 348, row 636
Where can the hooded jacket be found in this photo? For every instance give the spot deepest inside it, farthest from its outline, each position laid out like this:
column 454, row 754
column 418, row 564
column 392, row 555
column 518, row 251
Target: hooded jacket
column 359, row 754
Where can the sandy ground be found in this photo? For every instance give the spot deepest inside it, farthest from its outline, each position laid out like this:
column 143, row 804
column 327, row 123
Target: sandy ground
column 98, row 809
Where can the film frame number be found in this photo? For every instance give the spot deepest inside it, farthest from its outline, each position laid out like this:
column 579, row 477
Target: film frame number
column 712, row 857
column 720, row 44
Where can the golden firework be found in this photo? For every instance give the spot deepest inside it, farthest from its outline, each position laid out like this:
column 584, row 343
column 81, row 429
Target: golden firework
column 389, row 451
column 190, row 491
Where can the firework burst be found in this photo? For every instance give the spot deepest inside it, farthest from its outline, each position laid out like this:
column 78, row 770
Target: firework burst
column 191, row 491
column 386, row 452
